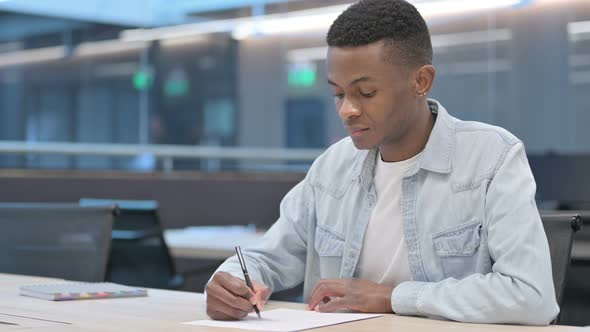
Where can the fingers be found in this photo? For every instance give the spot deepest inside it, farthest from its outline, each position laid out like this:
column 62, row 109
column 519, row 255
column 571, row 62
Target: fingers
column 262, row 293
column 261, row 289
column 217, row 309
column 234, row 285
column 326, row 299
column 218, row 315
column 220, row 293
column 240, row 288
column 228, row 297
column 333, row 305
column 326, row 288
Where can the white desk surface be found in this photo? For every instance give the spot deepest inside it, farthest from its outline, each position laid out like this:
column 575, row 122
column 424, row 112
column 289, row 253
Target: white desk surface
column 215, row 242
column 166, row 310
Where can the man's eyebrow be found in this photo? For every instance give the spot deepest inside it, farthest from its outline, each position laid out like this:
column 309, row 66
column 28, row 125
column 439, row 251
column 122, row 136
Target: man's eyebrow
column 355, row 81
column 360, row 79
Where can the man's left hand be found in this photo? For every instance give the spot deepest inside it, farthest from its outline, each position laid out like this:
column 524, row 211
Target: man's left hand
column 330, row 295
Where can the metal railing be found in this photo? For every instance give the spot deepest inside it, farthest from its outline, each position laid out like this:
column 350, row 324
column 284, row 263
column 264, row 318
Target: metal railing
column 167, row 153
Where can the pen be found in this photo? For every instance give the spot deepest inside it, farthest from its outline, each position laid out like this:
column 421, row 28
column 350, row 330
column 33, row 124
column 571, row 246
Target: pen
column 246, row 276
column 7, row 323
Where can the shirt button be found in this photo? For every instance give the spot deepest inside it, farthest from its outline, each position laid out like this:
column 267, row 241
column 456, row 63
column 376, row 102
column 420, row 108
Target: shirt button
column 371, row 200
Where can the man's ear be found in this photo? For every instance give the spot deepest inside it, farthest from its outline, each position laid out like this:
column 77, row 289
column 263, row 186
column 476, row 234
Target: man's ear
column 424, row 78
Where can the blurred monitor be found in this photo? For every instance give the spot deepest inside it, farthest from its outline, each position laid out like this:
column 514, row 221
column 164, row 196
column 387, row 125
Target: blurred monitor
column 55, row 240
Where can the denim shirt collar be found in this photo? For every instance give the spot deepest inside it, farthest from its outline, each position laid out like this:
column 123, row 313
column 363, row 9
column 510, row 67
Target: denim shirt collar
column 437, row 154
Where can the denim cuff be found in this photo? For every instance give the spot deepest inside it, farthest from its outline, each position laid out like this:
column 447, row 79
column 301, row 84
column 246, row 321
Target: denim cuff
column 406, row 298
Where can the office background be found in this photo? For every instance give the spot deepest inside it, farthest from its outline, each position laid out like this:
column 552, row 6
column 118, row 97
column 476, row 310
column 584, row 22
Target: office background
column 207, row 75
column 204, row 105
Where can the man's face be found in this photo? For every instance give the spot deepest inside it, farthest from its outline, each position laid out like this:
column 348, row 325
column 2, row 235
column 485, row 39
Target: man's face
column 374, row 97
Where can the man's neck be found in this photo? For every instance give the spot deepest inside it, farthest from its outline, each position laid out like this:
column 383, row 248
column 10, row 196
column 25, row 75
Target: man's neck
column 415, row 139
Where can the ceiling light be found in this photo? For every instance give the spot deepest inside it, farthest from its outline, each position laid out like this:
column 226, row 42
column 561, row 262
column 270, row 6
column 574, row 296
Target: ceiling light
column 317, row 19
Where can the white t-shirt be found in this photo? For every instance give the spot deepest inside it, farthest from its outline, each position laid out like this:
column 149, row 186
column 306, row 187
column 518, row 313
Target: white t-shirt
column 383, row 258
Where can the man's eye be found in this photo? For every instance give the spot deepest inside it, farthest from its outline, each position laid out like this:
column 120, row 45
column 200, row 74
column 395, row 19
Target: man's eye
column 370, row 94
column 339, row 96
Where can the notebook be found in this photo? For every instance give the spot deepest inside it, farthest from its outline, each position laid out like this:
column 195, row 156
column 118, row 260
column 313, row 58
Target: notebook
column 286, row 320
column 80, row 291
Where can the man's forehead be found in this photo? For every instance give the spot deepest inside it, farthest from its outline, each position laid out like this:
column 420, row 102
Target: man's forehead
column 360, row 79
column 373, row 48
column 375, row 54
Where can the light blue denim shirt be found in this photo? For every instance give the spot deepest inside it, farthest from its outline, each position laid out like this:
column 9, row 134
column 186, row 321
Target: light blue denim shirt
column 475, row 242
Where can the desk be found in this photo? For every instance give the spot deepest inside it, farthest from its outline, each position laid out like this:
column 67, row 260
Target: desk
column 210, row 242
column 165, row 310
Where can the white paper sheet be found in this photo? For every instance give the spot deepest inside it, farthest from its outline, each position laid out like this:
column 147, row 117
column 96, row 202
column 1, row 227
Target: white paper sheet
column 286, row 320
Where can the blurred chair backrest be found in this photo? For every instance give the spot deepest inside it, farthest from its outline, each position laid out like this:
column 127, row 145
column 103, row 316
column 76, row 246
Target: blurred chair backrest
column 55, row 240
column 139, row 254
column 560, row 228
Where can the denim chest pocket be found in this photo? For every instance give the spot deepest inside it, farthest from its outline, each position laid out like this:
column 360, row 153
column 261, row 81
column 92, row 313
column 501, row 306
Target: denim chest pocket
column 462, row 240
column 456, row 249
column 329, row 247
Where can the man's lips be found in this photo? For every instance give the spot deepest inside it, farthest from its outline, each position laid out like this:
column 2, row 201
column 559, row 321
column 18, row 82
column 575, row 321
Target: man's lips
column 357, row 131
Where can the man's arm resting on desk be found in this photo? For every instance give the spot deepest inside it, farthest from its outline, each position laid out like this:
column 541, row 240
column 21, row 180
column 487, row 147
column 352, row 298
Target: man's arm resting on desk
column 519, row 289
column 278, row 262
column 361, row 295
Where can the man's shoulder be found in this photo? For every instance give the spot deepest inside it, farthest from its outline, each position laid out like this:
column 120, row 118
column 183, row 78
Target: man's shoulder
column 483, row 133
column 480, row 148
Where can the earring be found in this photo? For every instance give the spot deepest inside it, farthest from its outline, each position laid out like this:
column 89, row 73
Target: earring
column 422, row 94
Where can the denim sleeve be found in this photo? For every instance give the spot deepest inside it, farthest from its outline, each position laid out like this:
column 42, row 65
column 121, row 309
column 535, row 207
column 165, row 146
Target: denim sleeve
column 519, row 290
column 278, row 261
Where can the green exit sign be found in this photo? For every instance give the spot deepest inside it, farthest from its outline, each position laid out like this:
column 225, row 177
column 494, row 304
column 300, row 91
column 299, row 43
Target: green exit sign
column 302, row 75
column 143, row 80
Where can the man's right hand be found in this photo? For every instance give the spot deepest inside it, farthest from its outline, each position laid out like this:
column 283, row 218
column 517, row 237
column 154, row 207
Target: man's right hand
column 229, row 298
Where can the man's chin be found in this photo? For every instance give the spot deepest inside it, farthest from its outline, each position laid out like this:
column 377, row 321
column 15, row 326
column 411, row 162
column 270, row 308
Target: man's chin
column 361, row 145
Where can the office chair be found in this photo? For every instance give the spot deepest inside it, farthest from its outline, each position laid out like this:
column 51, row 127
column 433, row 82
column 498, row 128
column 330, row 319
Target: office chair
column 576, row 296
column 139, row 254
column 560, row 228
column 55, row 240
